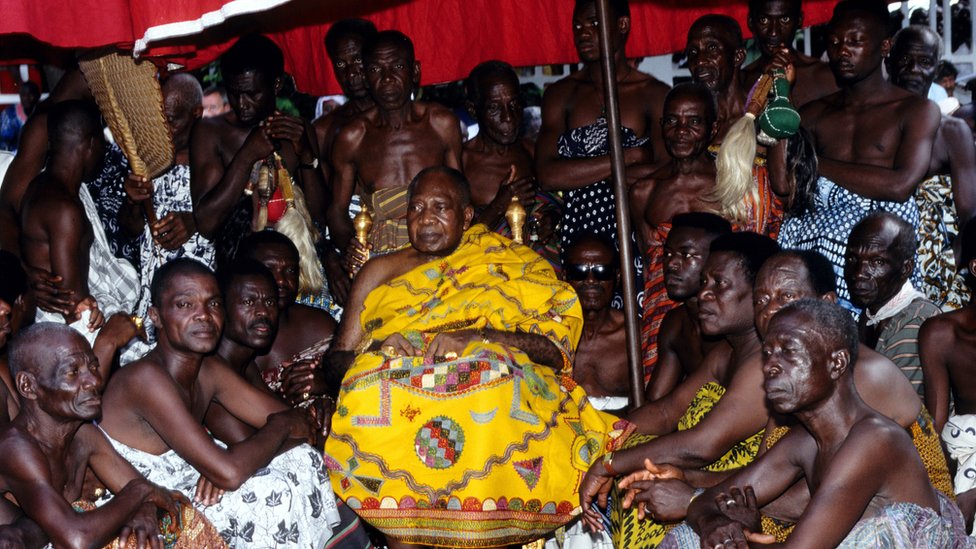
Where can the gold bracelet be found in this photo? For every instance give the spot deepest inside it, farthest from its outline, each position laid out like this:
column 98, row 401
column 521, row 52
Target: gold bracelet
column 608, row 464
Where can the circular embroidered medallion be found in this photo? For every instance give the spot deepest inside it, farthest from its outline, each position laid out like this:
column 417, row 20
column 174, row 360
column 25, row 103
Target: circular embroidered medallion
column 439, row 442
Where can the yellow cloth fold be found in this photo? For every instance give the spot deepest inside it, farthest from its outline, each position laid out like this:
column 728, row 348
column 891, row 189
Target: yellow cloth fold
column 484, row 450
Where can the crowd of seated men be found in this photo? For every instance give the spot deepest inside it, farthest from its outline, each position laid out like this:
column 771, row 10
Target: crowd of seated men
column 386, row 361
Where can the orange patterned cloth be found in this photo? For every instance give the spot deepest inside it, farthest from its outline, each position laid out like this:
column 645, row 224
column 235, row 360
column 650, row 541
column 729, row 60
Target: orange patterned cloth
column 191, row 531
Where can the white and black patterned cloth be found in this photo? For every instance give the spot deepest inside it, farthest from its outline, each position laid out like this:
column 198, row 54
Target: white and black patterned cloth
column 289, row 503
column 108, row 191
column 171, row 193
column 112, row 281
column 592, row 209
column 826, row 226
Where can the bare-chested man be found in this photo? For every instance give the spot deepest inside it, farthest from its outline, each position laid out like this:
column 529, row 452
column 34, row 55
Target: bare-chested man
column 715, row 54
column 947, row 344
column 385, row 147
column 344, row 44
column 682, row 185
column 154, row 412
column 303, row 333
column 873, row 139
column 774, row 24
column 711, row 419
column 62, row 235
column 947, row 198
column 498, row 161
column 52, row 442
column 31, row 156
column 592, row 268
column 224, row 149
column 572, row 152
column 784, row 278
column 808, row 356
column 681, row 345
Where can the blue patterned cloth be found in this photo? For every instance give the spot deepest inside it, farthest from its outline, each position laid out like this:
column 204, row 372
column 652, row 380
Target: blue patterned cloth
column 826, row 226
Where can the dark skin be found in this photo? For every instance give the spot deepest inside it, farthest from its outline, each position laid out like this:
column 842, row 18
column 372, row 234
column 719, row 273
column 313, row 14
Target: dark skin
column 782, row 280
column 175, row 228
column 56, row 235
column 601, row 357
column 251, row 307
column 498, row 164
column 386, row 146
column 436, row 220
column 31, row 157
column 299, row 327
column 714, row 57
column 347, row 64
column 912, row 66
column 774, row 25
column 945, row 346
column 808, row 376
column 874, row 271
column 158, row 403
column 52, row 442
column 683, row 184
column 223, row 150
column 577, row 101
column 872, row 137
column 725, row 311
column 681, row 346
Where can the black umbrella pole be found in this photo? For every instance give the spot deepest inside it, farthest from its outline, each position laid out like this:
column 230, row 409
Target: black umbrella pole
column 623, row 217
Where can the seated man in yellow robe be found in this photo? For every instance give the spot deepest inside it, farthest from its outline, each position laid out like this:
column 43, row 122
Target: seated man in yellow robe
column 458, row 423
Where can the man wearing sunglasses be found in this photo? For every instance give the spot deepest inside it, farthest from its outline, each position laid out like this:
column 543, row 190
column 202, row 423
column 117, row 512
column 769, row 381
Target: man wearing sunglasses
column 590, row 267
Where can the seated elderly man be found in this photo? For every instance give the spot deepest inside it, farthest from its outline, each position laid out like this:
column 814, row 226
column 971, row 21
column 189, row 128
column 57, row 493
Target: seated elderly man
column 457, row 421
column 808, row 356
column 52, row 442
column 879, row 261
column 590, row 266
column 154, row 412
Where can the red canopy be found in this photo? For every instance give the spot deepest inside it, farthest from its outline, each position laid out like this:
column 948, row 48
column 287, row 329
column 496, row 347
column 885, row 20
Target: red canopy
column 451, row 36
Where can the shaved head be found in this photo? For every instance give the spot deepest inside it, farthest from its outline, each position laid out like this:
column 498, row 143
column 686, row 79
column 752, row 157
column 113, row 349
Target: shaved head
column 30, row 348
column 184, row 88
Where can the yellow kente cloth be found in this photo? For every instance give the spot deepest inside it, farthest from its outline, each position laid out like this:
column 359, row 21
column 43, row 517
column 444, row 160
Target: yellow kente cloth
column 484, row 450
column 192, row 531
column 389, row 210
column 630, row 532
column 929, row 446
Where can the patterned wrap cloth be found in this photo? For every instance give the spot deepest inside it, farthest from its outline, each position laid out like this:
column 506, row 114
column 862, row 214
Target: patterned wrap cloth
column 630, row 532
column 389, row 210
column 480, row 451
column 191, row 531
column 827, row 225
column 288, row 503
column 171, row 193
column 896, row 526
column 938, row 229
column 959, row 435
column 926, row 441
column 592, row 209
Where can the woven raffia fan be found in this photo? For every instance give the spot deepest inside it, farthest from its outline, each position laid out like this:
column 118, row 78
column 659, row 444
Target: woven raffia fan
column 129, row 96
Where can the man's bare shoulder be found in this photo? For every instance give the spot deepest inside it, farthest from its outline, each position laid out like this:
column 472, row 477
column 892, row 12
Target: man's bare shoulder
column 354, row 129
column 651, row 86
column 312, row 319
column 138, row 374
column 441, row 118
column 565, row 88
column 955, row 130
column 910, row 104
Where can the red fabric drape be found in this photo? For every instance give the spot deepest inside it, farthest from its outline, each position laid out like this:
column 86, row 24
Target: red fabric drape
column 451, row 36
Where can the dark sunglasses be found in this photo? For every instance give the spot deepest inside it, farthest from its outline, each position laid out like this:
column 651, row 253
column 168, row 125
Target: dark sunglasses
column 580, row 271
